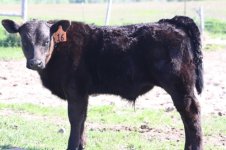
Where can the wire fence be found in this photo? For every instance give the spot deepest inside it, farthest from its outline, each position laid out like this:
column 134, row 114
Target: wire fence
column 209, row 15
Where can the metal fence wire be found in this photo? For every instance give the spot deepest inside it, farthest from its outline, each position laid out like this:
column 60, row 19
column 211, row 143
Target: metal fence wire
column 209, row 15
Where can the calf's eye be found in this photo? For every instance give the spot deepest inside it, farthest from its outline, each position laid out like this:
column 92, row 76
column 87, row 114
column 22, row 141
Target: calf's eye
column 46, row 43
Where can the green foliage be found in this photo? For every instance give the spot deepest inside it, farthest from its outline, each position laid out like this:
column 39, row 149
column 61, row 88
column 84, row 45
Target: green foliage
column 215, row 26
column 7, row 39
column 11, row 40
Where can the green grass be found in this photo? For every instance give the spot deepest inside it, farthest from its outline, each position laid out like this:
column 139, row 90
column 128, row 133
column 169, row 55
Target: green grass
column 129, row 116
column 127, row 141
column 9, row 53
column 214, row 47
column 35, row 127
column 36, row 109
column 30, row 133
column 215, row 26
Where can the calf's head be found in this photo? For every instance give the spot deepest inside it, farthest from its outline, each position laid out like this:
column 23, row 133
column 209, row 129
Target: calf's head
column 37, row 39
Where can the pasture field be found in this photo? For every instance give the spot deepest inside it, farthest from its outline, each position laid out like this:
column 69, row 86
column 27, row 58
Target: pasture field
column 122, row 13
column 36, row 127
column 110, row 127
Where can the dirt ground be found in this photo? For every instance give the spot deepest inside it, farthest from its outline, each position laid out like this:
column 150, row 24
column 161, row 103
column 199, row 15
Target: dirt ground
column 19, row 84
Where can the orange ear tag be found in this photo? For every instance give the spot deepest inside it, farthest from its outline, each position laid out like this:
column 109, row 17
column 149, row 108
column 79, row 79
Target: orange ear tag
column 60, row 35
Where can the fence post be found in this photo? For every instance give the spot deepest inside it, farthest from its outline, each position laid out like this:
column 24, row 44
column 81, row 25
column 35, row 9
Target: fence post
column 185, row 7
column 202, row 22
column 24, row 10
column 107, row 18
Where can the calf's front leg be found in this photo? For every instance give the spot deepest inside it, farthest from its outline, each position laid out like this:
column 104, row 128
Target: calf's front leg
column 77, row 111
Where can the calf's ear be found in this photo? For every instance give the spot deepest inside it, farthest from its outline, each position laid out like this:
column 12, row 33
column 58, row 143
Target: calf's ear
column 10, row 26
column 65, row 24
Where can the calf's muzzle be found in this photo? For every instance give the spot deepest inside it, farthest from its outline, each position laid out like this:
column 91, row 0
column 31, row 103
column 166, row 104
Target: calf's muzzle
column 35, row 64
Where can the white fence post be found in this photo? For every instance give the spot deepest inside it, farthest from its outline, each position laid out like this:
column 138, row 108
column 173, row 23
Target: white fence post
column 22, row 14
column 185, row 7
column 107, row 18
column 24, row 10
column 200, row 12
column 202, row 22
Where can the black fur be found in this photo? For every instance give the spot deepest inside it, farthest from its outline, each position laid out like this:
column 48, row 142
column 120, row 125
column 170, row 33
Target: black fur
column 192, row 30
column 116, row 58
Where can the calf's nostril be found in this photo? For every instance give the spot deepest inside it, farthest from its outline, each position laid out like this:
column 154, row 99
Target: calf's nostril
column 31, row 64
column 35, row 63
column 39, row 63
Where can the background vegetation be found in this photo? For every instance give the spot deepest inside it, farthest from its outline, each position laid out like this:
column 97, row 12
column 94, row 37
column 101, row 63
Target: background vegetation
column 80, row 1
column 122, row 13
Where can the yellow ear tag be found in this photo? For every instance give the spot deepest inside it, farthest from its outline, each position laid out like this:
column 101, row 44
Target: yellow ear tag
column 60, row 35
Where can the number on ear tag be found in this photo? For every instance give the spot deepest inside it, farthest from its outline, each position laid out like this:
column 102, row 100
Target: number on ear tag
column 60, row 35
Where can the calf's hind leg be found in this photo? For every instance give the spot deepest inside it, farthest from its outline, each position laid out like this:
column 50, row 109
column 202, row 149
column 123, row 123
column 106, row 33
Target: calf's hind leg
column 189, row 109
column 182, row 94
column 180, row 85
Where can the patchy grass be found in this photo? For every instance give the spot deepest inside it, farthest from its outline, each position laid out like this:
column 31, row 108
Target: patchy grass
column 35, row 109
column 127, row 116
column 32, row 127
column 214, row 47
column 30, row 133
column 124, row 140
column 10, row 53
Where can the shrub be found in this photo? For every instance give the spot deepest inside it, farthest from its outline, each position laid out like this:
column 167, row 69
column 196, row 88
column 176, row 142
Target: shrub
column 215, row 26
column 11, row 40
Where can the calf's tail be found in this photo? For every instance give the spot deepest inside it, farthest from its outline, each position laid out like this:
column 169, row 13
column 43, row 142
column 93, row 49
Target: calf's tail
column 189, row 26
